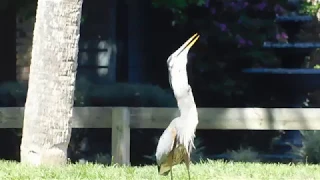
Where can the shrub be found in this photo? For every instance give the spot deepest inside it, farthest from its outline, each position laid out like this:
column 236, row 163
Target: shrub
column 310, row 151
column 197, row 154
column 122, row 94
column 13, row 94
column 103, row 158
column 244, row 155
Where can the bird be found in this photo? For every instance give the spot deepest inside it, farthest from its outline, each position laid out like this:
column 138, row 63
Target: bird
column 177, row 140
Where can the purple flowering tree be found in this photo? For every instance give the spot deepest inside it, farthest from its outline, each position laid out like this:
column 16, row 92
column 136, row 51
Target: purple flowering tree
column 232, row 35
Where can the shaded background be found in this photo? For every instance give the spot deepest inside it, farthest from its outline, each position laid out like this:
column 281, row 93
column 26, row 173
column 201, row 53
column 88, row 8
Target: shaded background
column 122, row 62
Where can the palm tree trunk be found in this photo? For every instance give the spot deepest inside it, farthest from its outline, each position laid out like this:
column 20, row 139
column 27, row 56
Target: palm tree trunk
column 50, row 97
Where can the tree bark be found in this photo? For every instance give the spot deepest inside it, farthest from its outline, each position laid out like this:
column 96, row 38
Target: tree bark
column 50, row 97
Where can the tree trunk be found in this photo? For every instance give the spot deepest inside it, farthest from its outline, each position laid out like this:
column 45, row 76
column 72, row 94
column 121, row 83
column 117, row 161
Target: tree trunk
column 50, row 98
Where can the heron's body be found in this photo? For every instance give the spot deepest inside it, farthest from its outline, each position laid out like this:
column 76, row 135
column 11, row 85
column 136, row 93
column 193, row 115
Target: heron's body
column 176, row 142
column 176, row 156
column 171, row 150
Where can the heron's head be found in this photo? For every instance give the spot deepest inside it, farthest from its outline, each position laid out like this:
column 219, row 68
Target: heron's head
column 181, row 54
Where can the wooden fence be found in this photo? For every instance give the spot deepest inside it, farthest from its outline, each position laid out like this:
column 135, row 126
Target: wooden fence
column 122, row 119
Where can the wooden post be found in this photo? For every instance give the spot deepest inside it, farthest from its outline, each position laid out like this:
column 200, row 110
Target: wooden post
column 121, row 135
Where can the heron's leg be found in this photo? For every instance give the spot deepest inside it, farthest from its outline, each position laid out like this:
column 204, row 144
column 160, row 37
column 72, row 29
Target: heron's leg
column 171, row 164
column 188, row 169
column 187, row 162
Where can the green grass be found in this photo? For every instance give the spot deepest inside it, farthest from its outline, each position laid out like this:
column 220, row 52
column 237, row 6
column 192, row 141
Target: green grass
column 208, row 170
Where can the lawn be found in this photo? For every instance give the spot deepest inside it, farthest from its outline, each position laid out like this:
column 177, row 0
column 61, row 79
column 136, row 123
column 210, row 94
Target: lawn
column 208, row 170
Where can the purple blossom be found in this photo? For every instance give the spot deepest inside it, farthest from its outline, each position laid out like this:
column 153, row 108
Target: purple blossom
column 236, row 5
column 223, row 27
column 278, row 9
column 284, row 35
column 213, row 10
column 245, row 4
column 233, row 5
column 239, row 21
column 242, row 42
column 239, row 5
column 261, row 6
column 240, row 39
column 207, row 3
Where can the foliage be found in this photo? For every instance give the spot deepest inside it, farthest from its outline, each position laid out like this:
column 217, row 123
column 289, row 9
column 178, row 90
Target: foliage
column 103, row 158
column 232, row 34
column 197, row 154
column 88, row 94
column 308, row 7
column 13, row 94
column 311, row 147
column 177, row 4
column 99, row 158
column 178, row 7
column 26, row 8
column 317, row 66
column 244, row 155
column 122, row 94
column 204, row 170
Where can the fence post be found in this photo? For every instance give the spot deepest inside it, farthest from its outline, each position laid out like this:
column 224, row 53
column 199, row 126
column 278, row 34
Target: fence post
column 121, row 135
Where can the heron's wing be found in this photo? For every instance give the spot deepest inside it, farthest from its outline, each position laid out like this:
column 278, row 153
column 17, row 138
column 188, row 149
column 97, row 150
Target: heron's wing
column 165, row 144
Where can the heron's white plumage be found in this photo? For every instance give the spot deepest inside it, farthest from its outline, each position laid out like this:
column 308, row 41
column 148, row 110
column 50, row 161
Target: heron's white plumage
column 166, row 141
column 176, row 142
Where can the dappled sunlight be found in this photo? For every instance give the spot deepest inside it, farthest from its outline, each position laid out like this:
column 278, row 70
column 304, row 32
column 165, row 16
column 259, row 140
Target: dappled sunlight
column 209, row 118
column 234, row 118
column 203, row 170
column 259, row 118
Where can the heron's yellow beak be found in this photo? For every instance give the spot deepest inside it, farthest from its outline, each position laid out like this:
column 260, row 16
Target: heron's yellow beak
column 189, row 43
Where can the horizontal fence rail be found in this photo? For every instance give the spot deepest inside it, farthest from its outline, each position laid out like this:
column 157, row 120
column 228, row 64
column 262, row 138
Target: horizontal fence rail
column 122, row 119
column 209, row 118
